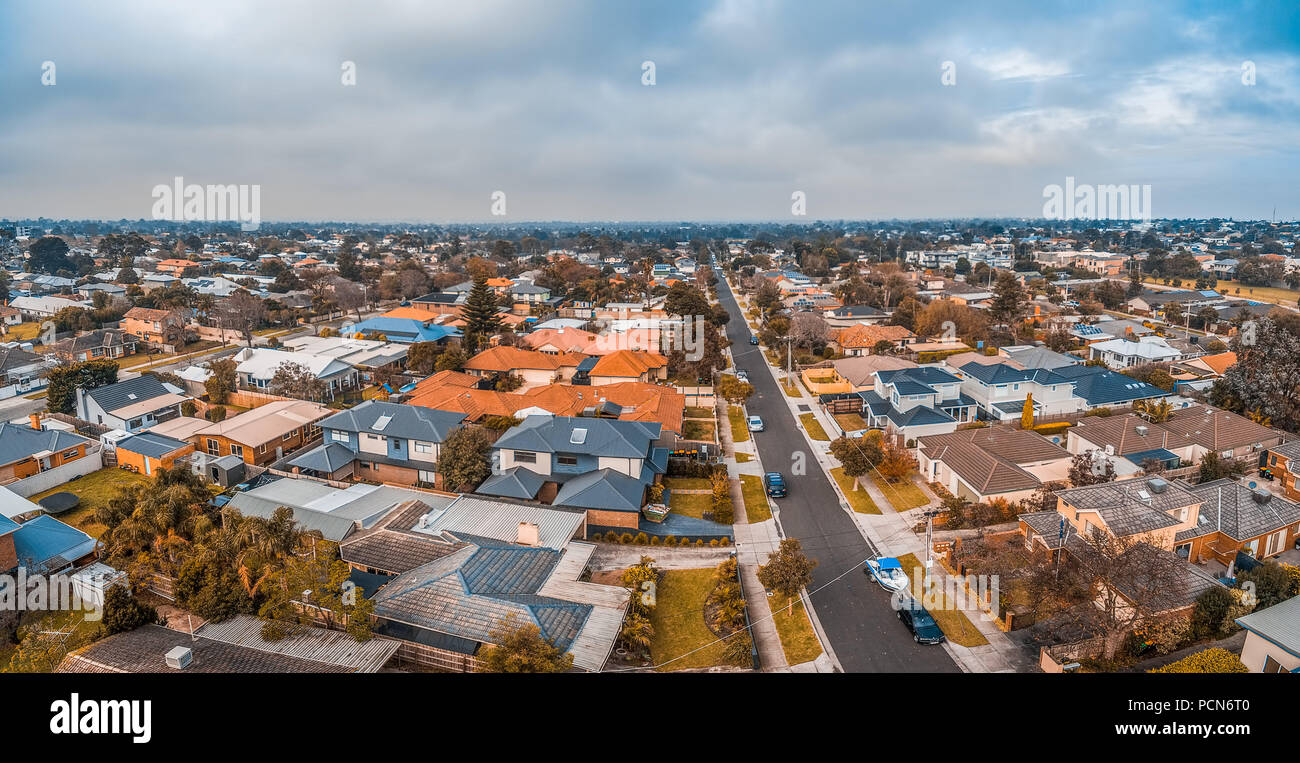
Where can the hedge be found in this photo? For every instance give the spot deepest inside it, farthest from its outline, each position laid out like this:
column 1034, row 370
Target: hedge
column 1208, row 661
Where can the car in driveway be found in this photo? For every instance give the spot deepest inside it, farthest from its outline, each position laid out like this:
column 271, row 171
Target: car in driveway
column 774, row 484
column 920, row 622
column 755, row 424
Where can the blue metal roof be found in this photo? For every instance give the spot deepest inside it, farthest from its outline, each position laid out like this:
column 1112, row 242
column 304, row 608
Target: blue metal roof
column 45, row 542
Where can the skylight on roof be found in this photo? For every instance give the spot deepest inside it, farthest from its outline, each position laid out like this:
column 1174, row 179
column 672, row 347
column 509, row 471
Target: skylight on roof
column 578, row 437
column 382, row 422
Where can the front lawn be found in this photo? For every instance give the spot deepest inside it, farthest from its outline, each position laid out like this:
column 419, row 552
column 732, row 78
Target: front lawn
column 798, row 638
column 814, row 427
column 739, row 428
column 95, row 489
column 690, row 504
column 952, row 621
column 858, row 499
column 903, row 495
column 694, row 429
column 850, row 422
column 678, row 620
column 757, row 508
column 743, row 458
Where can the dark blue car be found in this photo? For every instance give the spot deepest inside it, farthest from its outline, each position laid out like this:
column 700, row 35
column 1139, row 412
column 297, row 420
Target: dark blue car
column 753, row 340
column 774, row 483
column 919, row 621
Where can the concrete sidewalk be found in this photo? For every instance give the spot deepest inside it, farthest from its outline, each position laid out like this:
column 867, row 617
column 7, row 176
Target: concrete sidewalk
column 891, row 533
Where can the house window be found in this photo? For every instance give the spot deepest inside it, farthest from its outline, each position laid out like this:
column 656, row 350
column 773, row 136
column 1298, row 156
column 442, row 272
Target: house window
column 423, row 447
column 338, row 436
column 69, row 454
column 1271, row 665
column 214, row 448
column 287, row 436
column 567, row 460
column 397, row 443
column 525, row 457
column 237, row 450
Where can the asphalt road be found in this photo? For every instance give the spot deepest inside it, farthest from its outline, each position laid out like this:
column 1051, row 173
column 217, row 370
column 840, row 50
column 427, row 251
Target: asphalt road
column 855, row 613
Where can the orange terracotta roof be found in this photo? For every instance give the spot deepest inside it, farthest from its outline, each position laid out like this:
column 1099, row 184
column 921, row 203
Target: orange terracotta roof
column 639, row 401
column 1220, row 362
column 503, row 283
column 867, row 336
column 628, row 363
column 565, row 340
column 505, row 358
column 409, row 312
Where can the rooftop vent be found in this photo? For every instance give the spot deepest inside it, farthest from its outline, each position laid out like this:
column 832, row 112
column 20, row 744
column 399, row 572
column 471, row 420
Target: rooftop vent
column 1145, row 496
column 1261, row 496
column 1141, row 431
column 528, row 534
column 179, row 657
column 1157, row 484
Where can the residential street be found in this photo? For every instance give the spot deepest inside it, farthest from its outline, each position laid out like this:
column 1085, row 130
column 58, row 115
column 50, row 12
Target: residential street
column 863, row 630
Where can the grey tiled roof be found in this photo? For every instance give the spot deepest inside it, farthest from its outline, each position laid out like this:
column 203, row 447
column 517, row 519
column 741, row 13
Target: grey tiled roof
column 144, row 650
column 129, row 392
column 1123, row 508
column 409, row 422
column 602, row 489
column 326, row 458
column 18, row 442
column 470, row 593
column 152, row 445
column 1231, row 508
column 515, row 482
column 604, row 437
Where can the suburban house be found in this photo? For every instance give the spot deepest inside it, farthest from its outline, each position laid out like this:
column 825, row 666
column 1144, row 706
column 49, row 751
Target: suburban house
column 1182, row 438
column 1272, row 638
column 1283, row 462
column 450, row 570
column 158, row 328
column 380, row 442
column 1235, row 518
column 25, row 451
column 1000, row 390
column 130, row 405
column 602, row 466
column 95, row 345
column 406, row 330
column 628, row 366
column 1122, row 353
column 981, row 465
column 1153, row 303
column 629, row 401
column 1103, row 388
column 39, row 308
column 265, row 434
column 45, row 546
column 23, row 371
column 912, row 402
column 148, row 452
column 256, row 368
column 861, row 339
column 535, row 368
column 860, row 371
column 365, row 354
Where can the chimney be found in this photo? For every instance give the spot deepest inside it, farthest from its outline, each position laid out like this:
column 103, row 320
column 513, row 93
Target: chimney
column 36, row 421
column 527, row 534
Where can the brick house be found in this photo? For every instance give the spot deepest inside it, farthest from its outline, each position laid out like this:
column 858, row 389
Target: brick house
column 155, row 327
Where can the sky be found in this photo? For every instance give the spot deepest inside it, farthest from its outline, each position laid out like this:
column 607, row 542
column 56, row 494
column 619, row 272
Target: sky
column 546, row 102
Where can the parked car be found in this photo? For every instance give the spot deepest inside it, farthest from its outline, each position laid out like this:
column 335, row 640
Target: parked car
column 753, row 340
column 888, row 572
column 774, row 484
column 919, row 621
column 755, row 424
column 741, row 375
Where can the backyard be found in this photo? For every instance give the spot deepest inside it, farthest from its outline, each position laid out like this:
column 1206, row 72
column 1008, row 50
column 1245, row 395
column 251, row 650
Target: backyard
column 690, row 504
column 697, row 429
column 95, row 489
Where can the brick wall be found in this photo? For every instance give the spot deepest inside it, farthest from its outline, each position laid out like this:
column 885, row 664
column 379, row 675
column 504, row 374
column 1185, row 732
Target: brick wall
column 8, row 556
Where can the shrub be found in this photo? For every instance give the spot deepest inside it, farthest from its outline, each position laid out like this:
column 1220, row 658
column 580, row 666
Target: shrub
column 724, row 542
column 642, row 539
column 671, row 540
column 699, row 543
column 217, row 414
column 1208, row 661
column 1051, row 429
column 626, row 539
column 654, row 540
column 713, row 543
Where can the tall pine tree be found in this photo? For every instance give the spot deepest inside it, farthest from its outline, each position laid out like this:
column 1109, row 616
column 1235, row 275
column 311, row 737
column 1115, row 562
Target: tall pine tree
column 480, row 314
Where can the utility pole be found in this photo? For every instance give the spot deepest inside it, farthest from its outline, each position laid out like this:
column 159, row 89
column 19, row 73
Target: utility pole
column 929, row 545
